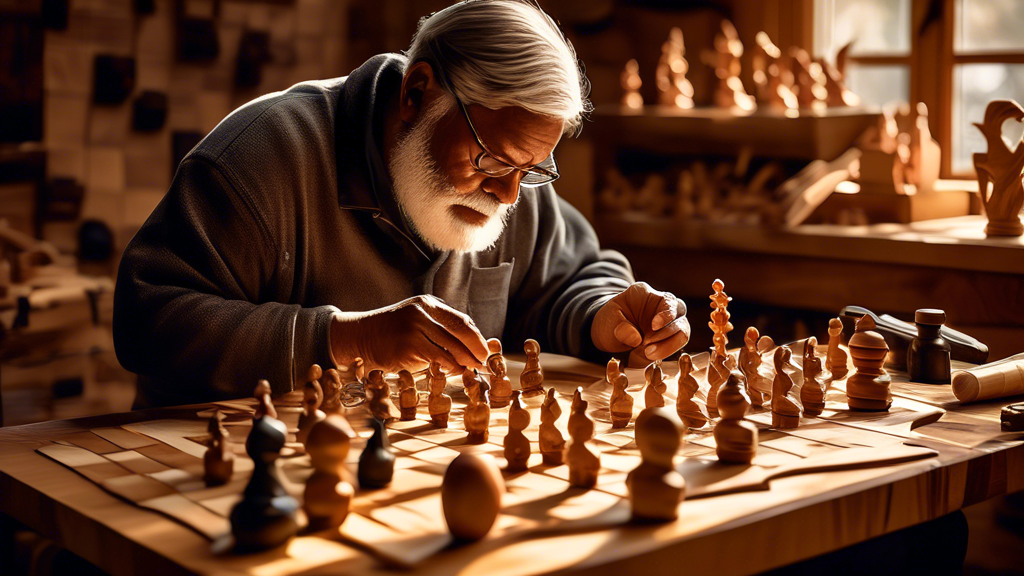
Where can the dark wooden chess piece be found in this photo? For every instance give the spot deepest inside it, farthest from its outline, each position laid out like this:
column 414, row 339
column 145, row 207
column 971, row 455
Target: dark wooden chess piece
column 266, row 515
column 377, row 462
column 928, row 355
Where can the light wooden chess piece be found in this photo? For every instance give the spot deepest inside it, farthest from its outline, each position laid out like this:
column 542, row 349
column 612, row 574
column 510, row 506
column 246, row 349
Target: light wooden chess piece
column 835, row 359
column 531, row 381
column 812, row 391
column 655, row 486
column 552, row 443
column 612, row 371
column 673, row 88
column 312, row 397
column 654, row 394
column 1002, row 166
column 501, row 386
column 620, row 403
column 378, row 393
column 868, row 387
column 772, row 77
column 718, row 368
column 477, row 416
column 750, row 365
column 264, row 405
column 471, row 493
column 717, row 373
column 581, row 455
column 408, row 398
column 735, row 438
column 516, row 444
column 331, row 386
column 218, row 461
column 438, row 403
column 725, row 58
column 328, row 493
column 692, row 414
column 785, row 412
column 471, row 384
column 630, row 80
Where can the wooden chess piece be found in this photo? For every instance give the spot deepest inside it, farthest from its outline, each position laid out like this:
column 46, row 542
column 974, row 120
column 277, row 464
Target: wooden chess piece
column 313, row 375
column 808, row 80
column 835, row 80
column 654, row 394
column 408, row 398
column 928, row 354
column 477, row 416
column 378, row 393
column 471, row 493
column 264, row 405
column 655, row 487
column 612, row 371
column 552, row 443
column 621, row 403
column 835, row 359
column 772, row 78
column 630, row 81
column 674, row 89
column 501, row 386
column 868, row 387
column 692, row 414
column 729, row 92
column 266, row 516
column 785, row 412
column 328, row 493
column 750, row 364
column 532, row 379
column 1002, row 165
column 218, row 461
column 517, row 446
column 438, row 403
column 735, row 438
column 718, row 372
column 312, row 395
column 812, row 391
column 581, row 455
column 471, row 384
column 331, row 386
column 377, row 461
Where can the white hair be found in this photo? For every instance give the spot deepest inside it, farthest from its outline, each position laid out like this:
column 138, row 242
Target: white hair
column 499, row 53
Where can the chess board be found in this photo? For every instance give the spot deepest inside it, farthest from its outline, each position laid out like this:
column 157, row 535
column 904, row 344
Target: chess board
column 157, row 465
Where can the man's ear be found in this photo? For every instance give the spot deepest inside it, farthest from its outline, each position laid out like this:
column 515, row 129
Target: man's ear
column 418, row 86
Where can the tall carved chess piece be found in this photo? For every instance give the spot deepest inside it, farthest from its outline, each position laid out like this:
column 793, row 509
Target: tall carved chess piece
column 517, row 446
column 655, row 486
column 438, row 403
column 477, row 416
column 581, row 455
column 552, row 443
column 620, row 403
column 312, row 397
column 612, row 371
column 772, row 77
column 378, row 392
column 785, row 412
column 718, row 368
column 750, row 365
column 630, row 80
column 408, row 398
column 812, row 391
column 532, row 379
column 1002, row 167
column 218, row 461
column 868, row 387
column 328, row 492
column 266, row 516
column 735, row 438
column 654, row 394
column 264, row 405
column 725, row 58
column 501, row 386
column 691, row 413
column 331, row 386
column 835, row 360
column 673, row 88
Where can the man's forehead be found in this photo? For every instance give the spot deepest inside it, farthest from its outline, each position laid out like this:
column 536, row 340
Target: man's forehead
column 521, row 136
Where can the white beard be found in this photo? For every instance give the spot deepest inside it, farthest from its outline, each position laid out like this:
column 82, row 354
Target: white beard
column 425, row 196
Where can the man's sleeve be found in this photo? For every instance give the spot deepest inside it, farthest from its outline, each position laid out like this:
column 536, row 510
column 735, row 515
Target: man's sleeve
column 184, row 305
column 567, row 281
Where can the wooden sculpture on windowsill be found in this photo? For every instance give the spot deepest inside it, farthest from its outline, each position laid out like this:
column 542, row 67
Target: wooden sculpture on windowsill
column 1002, row 167
column 773, row 79
column 674, row 90
column 725, row 58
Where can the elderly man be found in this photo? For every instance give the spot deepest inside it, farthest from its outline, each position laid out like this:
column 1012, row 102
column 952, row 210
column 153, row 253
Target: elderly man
column 401, row 214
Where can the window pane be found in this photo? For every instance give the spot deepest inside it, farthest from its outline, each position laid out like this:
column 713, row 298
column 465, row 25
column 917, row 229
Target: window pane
column 989, row 25
column 879, row 85
column 878, row 26
column 974, row 86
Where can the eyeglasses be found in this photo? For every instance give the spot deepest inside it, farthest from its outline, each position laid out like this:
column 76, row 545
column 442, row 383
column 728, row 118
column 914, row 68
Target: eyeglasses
column 485, row 163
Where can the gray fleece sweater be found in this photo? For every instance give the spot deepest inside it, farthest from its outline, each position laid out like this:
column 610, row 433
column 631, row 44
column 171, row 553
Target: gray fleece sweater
column 284, row 214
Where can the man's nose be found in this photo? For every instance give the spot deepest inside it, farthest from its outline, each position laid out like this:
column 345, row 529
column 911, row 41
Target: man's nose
column 504, row 188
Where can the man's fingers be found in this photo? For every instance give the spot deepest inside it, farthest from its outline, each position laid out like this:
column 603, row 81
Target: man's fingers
column 461, row 327
column 444, row 338
column 627, row 333
column 432, row 352
column 666, row 347
column 665, row 311
column 673, row 327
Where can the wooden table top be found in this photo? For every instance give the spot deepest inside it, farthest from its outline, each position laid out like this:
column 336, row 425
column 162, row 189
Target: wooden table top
column 798, row 518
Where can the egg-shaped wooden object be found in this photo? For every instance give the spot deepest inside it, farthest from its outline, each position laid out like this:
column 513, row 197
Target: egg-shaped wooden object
column 471, row 495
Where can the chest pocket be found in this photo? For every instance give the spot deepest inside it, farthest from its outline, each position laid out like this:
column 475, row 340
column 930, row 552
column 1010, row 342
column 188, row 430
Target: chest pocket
column 488, row 297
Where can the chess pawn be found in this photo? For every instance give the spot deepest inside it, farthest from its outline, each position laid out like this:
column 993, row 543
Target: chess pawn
column 471, row 493
column 612, row 371
column 835, row 360
column 471, row 384
column 517, row 446
column 552, row 443
column 266, row 516
column 718, row 372
column 331, row 387
column 438, row 403
column 812, row 391
column 408, row 398
column 750, row 363
column 501, row 386
column 868, row 387
column 312, row 395
column 693, row 415
column 477, row 416
column 379, row 396
column 328, row 494
column 630, row 80
column 735, row 438
column 654, row 394
column 620, row 403
column 655, row 487
column 583, row 459
column 532, row 379
column 264, row 405
column 218, row 461
column 377, row 462
column 785, row 412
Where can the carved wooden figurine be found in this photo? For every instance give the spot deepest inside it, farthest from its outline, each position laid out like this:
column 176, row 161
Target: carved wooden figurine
column 718, row 372
column 438, row 403
column 378, row 393
column 552, row 443
column 729, row 92
column 692, row 414
column 477, row 416
column 835, row 359
column 517, row 446
column 532, row 379
column 630, row 80
column 655, row 486
column 785, row 412
column 266, row 516
column 500, row 385
column 328, row 492
column 218, row 461
column 654, row 394
column 750, row 365
column 772, row 76
column 331, row 386
column 718, row 368
column 868, row 387
column 674, row 89
column 312, row 396
column 621, row 403
column 612, row 371
column 408, row 398
column 1001, row 165
column 812, row 391
column 735, row 438
column 581, row 455
column 264, row 405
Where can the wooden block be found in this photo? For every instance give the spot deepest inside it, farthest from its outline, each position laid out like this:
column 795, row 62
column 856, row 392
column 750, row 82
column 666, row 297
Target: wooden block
column 213, row 107
column 109, row 125
column 66, row 163
column 67, row 69
column 64, row 120
column 139, row 204
column 105, row 169
column 144, row 170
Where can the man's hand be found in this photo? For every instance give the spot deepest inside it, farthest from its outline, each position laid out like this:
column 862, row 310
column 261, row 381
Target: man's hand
column 650, row 323
column 409, row 335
